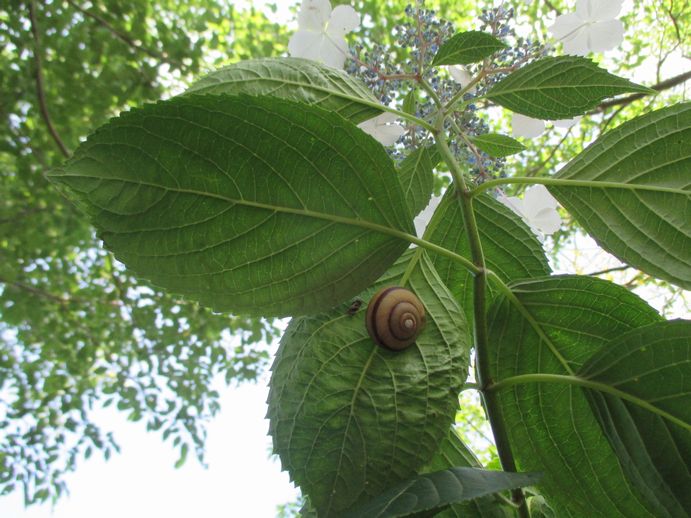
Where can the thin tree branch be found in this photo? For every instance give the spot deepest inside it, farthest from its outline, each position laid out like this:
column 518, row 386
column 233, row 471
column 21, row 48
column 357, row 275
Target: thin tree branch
column 607, row 122
column 124, row 37
column 539, row 167
column 40, row 86
column 609, row 270
column 675, row 22
column 664, row 85
column 62, row 300
column 37, row 291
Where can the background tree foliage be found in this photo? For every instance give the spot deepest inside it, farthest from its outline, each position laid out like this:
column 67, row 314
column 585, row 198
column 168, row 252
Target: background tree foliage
column 78, row 331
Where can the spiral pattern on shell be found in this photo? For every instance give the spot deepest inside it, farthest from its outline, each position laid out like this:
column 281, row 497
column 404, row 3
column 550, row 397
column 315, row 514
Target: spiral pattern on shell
column 395, row 318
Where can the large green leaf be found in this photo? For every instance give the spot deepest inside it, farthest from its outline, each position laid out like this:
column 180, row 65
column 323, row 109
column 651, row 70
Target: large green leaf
column 651, row 366
column 559, row 87
column 642, row 212
column 467, row 47
column 296, row 79
column 454, row 453
column 427, row 494
column 349, row 419
column 511, row 250
column 250, row 204
column 563, row 321
column 417, row 177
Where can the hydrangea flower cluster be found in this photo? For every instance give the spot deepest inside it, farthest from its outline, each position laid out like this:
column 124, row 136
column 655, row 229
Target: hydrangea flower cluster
column 420, row 38
column 404, row 74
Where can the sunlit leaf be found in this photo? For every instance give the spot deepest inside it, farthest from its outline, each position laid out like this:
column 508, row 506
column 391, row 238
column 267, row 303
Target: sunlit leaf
column 467, row 47
column 559, row 88
column 295, row 79
column 642, row 212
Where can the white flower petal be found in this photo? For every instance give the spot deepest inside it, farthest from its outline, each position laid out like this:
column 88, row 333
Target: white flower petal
column 368, row 126
column 605, row 35
column 536, row 199
column 383, row 129
column 565, row 26
column 343, row 20
column 333, row 50
column 598, row 10
column 537, row 208
column 547, row 221
column 423, row 219
column 578, row 43
column 389, row 134
column 567, row 123
column 522, row 126
column 461, row 76
column 513, row 203
column 305, row 44
column 585, row 10
column 314, row 15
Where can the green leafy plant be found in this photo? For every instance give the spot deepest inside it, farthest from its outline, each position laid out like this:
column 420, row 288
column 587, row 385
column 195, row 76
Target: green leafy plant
column 265, row 190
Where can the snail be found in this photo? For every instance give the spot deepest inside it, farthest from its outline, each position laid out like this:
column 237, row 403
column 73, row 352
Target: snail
column 395, row 318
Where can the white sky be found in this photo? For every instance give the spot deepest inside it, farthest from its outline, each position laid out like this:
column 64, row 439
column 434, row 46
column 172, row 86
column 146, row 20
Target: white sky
column 241, row 481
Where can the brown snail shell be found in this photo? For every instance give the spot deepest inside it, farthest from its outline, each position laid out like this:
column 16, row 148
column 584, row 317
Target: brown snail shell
column 395, row 317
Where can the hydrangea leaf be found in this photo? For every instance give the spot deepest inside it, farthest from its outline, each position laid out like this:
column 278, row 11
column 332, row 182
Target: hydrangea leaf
column 427, row 494
column 256, row 205
column 511, row 249
column 497, row 145
column 454, row 453
column 346, row 415
column 563, row 321
column 417, row 177
column 641, row 213
column 467, row 47
column 296, row 79
column 652, row 365
column 559, row 88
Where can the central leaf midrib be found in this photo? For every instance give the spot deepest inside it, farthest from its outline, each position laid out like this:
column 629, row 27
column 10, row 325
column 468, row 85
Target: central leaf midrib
column 264, row 206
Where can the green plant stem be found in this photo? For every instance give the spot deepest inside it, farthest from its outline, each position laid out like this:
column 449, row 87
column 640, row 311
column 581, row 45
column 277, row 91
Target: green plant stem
column 430, row 91
column 587, row 383
column 563, row 182
column 494, row 412
column 459, row 95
